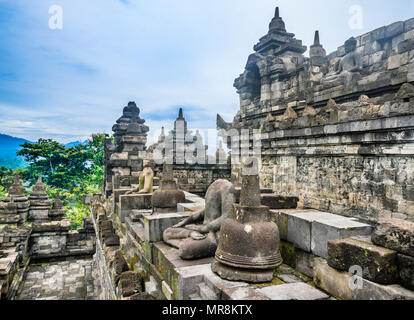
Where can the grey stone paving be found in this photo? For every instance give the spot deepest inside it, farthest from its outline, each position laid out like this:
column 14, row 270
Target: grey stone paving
column 67, row 280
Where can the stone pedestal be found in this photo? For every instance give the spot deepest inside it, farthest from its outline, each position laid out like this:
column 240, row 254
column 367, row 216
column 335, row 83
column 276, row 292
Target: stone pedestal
column 156, row 224
column 127, row 203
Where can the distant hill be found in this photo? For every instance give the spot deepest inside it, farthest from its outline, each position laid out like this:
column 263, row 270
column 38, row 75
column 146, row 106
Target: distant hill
column 75, row 143
column 9, row 146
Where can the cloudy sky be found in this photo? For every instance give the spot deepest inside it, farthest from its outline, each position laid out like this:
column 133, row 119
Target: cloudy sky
column 66, row 84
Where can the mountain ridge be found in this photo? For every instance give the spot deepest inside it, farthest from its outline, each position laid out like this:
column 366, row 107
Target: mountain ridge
column 10, row 145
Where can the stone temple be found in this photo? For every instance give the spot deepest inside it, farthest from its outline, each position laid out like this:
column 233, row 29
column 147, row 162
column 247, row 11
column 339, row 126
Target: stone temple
column 327, row 202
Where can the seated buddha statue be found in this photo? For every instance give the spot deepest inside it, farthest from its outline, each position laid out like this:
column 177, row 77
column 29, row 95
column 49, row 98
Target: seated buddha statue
column 197, row 236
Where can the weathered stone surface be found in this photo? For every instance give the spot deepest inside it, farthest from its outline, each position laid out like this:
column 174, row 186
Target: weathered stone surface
column 345, row 286
column 293, row 291
column 378, row 264
column 335, row 282
column 406, row 269
column 156, row 224
column 274, row 201
column 112, row 240
column 130, row 283
column 321, row 154
column 396, row 235
column 323, row 231
column 57, row 281
column 238, row 274
column 119, row 263
column 131, row 202
column 373, row 291
column 243, row 293
column 141, row 296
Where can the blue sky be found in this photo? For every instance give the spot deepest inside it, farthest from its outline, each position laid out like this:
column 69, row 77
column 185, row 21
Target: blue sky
column 163, row 54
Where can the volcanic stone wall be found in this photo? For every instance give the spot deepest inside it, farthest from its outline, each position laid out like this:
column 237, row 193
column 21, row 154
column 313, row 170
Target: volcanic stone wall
column 338, row 129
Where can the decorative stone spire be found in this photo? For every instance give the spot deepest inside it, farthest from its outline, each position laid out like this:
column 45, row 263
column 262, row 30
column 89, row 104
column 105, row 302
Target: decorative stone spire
column 316, row 52
column 250, row 190
column 16, row 189
column 58, row 203
column 167, row 172
column 161, row 138
column 134, row 128
column 39, row 189
column 57, row 211
column 180, row 119
column 316, row 41
column 277, row 23
column 39, row 202
column 130, row 115
column 278, row 40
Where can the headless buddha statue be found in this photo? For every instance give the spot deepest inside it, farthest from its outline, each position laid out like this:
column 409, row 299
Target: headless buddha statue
column 146, row 180
column 197, row 236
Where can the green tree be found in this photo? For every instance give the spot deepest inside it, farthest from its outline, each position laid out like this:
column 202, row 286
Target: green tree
column 73, row 171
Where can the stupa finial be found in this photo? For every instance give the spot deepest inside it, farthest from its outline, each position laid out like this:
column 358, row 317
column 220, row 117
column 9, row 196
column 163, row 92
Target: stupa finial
column 316, row 41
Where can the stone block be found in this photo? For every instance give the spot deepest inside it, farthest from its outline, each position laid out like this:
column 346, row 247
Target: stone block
column 332, row 229
column 394, row 62
column 332, row 281
column 243, row 293
column 115, row 200
column 205, row 292
column 167, row 291
column 133, row 202
column 293, row 291
column 300, row 225
column 274, row 201
column 189, row 277
column 299, row 229
column 374, row 291
column 155, row 225
column 281, row 219
column 405, row 46
column 220, row 286
column 189, row 207
column 396, row 235
column 406, row 270
column 409, row 25
column 130, row 283
column 38, row 214
column 394, row 29
column 378, row 264
column 342, row 285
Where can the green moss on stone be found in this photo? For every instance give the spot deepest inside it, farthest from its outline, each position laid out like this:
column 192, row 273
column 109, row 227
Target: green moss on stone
column 288, row 253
